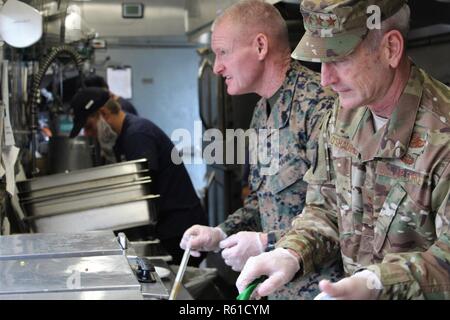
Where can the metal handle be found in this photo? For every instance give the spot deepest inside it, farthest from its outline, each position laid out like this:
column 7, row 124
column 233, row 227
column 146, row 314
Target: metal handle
column 122, row 240
column 177, row 285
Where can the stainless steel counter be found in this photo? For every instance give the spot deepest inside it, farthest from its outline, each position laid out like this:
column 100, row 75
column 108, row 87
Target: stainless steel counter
column 77, row 295
column 89, row 265
column 57, row 245
column 67, row 275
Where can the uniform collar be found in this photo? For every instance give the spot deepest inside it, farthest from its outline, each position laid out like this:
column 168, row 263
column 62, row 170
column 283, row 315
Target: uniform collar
column 125, row 125
column 392, row 140
column 279, row 116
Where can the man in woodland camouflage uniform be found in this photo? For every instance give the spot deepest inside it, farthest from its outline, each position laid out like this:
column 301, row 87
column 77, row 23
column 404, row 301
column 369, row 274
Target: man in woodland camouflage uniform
column 250, row 41
column 378, row 192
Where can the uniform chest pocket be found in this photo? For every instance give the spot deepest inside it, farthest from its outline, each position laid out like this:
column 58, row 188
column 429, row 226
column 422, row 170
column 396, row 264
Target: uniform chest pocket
column 342, row 168
column 403, row 225
column 387, row 213
column 343, row 175
column 290, row 173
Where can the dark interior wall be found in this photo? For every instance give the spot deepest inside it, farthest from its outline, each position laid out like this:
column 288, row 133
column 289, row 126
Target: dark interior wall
column 435, row 59
column 429, row 12
column 429, row 43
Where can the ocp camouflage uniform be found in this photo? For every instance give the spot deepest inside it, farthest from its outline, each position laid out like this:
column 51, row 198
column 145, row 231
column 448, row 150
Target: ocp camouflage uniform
column 277, row 198
column 381, row 199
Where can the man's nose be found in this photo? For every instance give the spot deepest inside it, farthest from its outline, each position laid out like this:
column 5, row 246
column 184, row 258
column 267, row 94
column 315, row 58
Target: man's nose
column 218, row 67
column 328, row 75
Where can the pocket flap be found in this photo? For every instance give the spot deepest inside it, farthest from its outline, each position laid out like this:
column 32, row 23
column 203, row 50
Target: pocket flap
column 387, row 214
column 288, row 174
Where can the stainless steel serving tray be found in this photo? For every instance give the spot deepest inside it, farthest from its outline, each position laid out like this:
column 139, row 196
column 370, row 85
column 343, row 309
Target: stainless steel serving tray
column 86, row 199
column 82, row 176
column 61, row 190
column 112, row 216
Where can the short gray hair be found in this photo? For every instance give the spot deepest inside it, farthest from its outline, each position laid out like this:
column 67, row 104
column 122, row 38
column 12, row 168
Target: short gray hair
column 399, row 21
column 256, row 16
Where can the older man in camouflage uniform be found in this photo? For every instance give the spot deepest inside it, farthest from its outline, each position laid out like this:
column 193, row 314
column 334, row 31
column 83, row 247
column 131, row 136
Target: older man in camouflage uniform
column 379, row 189
column 252, row 53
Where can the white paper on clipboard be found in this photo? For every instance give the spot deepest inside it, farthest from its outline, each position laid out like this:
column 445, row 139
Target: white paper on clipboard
column 119, row 81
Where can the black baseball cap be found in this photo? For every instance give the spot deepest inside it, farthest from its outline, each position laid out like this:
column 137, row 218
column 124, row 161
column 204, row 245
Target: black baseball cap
column 85, row 103
column 95, row 80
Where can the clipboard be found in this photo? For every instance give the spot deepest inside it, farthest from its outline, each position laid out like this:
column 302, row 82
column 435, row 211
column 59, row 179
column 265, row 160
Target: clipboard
column 119, row 81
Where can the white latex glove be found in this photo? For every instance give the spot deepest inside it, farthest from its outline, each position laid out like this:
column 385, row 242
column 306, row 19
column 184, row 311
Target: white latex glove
column 202, row 238
column 239, row 247
column 364, row 285
column 279, row 265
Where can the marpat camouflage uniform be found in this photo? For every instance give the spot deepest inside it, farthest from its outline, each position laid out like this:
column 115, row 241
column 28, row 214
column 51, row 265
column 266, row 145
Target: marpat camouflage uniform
column 276, row 199
column 381, row 199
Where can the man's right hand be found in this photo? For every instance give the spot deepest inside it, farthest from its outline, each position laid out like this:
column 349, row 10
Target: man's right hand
column 202, row 238
column 279, row 265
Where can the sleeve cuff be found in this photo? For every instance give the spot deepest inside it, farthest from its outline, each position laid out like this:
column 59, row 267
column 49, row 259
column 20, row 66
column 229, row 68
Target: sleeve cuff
column 301, row 247
column 395, row 281
column 222, row 232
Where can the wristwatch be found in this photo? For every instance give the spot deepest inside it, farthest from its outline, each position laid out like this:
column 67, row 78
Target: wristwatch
column 271, row 240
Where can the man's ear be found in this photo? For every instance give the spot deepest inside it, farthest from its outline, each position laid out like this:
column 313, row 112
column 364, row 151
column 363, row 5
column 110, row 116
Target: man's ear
column 261, row 45
column 104, row 112
column 393, row 46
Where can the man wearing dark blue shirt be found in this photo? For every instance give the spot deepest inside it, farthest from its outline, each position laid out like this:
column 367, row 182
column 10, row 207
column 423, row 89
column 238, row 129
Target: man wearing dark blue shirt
column 134, row 138
column 94, row 80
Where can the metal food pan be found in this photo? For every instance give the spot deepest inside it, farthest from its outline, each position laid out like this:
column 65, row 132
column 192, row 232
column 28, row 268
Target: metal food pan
column 77, row 176
column 86, row 198
column 85, row 202
column 115, row 216
column 82, row 186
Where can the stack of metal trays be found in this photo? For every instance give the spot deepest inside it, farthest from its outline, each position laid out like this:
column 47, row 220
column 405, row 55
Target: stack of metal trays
column 111, row 197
